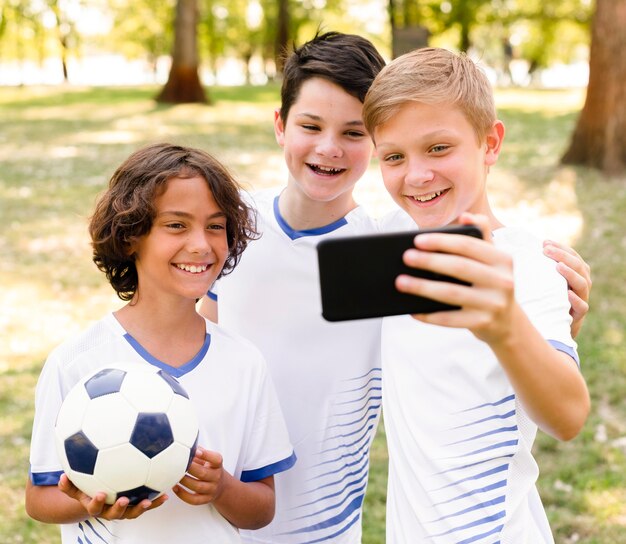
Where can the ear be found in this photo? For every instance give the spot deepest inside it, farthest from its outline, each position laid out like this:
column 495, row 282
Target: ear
column 279, row 128
column 494, row 139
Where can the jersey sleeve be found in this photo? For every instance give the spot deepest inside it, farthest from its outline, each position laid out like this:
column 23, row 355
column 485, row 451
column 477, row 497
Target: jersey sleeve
column 269, row 450
column 45, row 466
column 542, row 293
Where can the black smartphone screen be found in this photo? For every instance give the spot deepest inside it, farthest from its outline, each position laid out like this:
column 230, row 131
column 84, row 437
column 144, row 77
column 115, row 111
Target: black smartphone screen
column 357, row 275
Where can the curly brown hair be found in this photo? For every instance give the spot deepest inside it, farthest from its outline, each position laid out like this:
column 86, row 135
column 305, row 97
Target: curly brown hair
column 125, row 211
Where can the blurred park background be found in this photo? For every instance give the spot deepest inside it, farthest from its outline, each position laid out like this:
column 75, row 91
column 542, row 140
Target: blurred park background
column 83, row 83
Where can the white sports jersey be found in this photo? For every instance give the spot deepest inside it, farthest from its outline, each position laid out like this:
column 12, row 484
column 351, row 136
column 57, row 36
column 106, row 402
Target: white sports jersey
column 461, row 468
column 238, row 412
column 327, row 375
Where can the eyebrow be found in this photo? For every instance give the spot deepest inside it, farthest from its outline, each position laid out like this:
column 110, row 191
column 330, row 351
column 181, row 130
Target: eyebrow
column 185, row 214
column 435, row 134
column 312, row 116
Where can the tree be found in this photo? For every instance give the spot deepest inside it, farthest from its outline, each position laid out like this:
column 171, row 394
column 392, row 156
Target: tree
column 65, row 32
column 281, row 42
column 599, row 139
column 183, row 83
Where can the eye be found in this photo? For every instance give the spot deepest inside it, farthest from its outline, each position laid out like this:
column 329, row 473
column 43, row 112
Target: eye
column 393, row 157
column 175, row 226
column 310, row 127
column 216, row 226
column 355, row 134
column 439, row 148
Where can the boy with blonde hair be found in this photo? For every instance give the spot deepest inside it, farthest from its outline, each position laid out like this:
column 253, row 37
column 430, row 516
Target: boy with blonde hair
column 465, row 390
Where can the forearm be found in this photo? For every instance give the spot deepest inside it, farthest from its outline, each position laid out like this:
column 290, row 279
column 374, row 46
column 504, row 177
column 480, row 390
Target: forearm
column 49, row 505
column 547, row 382
column 247, row 505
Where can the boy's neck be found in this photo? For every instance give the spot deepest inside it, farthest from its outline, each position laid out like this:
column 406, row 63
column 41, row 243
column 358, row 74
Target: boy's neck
column 171, row 336
column 302, row 213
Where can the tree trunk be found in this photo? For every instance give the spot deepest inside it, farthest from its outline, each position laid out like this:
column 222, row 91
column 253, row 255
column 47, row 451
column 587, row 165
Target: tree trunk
column 599, row 140
column 183, row 84
column 281, row 42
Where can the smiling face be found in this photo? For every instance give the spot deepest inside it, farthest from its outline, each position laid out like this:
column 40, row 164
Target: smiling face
column 433, row 165
column 326, row 146
column 186, row 247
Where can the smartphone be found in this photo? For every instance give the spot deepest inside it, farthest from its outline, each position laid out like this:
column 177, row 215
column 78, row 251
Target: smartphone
column 358, row 273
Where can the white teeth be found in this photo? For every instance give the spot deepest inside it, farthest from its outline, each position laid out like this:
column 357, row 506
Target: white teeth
column 426, row 198
column 326, row 170
column 192, row 268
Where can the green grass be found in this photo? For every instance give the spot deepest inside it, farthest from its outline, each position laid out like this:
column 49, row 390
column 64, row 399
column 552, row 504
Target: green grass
column 58, row 146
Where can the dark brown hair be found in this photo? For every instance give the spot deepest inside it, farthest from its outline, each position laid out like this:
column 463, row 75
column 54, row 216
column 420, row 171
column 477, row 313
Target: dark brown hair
column 347, row 60
column 125, row 211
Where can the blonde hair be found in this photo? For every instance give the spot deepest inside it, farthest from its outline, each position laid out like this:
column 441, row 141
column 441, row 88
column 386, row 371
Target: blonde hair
column 431, row 76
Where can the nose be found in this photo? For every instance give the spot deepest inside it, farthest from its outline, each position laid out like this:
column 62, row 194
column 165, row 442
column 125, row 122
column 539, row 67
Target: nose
column 418, row 173
column 328, row 146
column 198, row 241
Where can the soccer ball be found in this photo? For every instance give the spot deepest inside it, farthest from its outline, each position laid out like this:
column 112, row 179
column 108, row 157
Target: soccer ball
column 128, row 431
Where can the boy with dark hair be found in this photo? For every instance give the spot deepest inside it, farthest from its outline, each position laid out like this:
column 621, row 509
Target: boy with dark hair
column 170, row 223
column 328, row 375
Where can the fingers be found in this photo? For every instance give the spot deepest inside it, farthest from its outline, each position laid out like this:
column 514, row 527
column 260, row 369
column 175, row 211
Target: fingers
column 572, row 266
column 97, row 507
column 580, row 285
column 468, row 259
column 578, row 311
column 481, row 221
column 202, row 483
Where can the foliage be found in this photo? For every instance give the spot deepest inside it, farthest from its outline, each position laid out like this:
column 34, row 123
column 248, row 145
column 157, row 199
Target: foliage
column 60, row 145
column 540, row 31
column 142, row 28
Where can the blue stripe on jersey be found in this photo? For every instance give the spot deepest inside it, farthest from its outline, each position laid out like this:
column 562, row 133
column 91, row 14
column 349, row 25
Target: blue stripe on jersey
column 470, row 499
column 490, row 418
column 332, row 496
column 351, row 454
column 335, row 520
column 483, row 435
column 494, row 517
column 569, row 350
column 177, row 372
column 482, row 536
column 464, row 467
column 336, row 478
column 295, row 234
column 46, row 478
column 473, row 508
column 335, row 535
column 93, row 529
column 496, row 403
column 479, row 476
column 366, row 434
column 360, row 490
column 487, row 488
column 341, row 480
column 211, row 295
column 491, row 447
column 377, row 398
column 344, row 465
column 269, row 470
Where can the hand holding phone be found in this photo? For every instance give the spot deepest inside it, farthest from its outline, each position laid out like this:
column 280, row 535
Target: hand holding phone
column 358, row 273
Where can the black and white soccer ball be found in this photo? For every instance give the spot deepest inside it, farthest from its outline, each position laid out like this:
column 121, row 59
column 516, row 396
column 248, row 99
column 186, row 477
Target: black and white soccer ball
column 128, row 431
